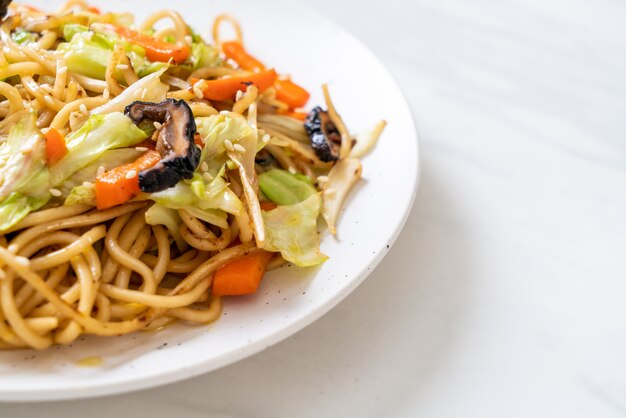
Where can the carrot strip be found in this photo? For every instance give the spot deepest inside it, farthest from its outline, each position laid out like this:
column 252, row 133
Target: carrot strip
column 241, row 276
column 266, row 205
column 291, row 93
column 226, row 88
column 235, row 51
column 116, row 186
column 156, row 50
column 55, row 146
column 297, row 115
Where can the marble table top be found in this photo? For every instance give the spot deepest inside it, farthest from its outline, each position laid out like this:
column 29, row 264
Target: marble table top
column 505, row 294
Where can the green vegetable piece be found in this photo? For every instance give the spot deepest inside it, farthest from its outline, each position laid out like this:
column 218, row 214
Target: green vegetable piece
column 284, row 188
column 292, row 230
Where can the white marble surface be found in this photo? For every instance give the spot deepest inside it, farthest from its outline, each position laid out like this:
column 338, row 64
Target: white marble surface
column 505, row 294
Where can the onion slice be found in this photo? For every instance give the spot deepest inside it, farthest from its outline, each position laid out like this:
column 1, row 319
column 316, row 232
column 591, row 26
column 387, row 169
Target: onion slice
column 344, row 174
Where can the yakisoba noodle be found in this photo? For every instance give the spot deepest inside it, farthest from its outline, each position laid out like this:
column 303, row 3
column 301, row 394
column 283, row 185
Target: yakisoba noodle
column 71, row 264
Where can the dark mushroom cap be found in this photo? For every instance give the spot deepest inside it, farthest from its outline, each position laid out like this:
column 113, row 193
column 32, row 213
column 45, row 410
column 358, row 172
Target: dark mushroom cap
column 324, row 135
column 175, row 142
column 4, row 6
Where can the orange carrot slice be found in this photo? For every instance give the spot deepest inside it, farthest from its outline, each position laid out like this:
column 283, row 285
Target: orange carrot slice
column 55, row 146
column 291, row 93
column 241, row 276
column 121, row 184
column 226, row 88
column 156, row 50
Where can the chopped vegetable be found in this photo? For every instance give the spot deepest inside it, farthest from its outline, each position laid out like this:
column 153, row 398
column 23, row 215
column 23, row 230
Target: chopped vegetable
column 341, row 178
column 14, row 208
column 209, row 201
column 297, row 115
column 55, row 146
column 289, row 92
column 175, row 142
column 88, row 53
column 241, row 276
column 292, row 230
column 159, row 215
column 226, row 88
column 22, row 36
column 325, row 138
column 267, row 205
column 203, row 55
column 98, row 134
column 25, row 178
column 121, row 184
column 286, row 90
column 149, row 88
column 236, row 52
column 284, row 188
column 156, row 50
column 108, row 160
column 365, row 141
column 85, row 194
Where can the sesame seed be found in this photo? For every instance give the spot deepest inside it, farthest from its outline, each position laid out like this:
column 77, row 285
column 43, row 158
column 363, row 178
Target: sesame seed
column 224, row 112
column 87, row 184
column 48, row 100
column 121, row 67
column 82, row 108
column 198, row 93
column 329, row 191
column 266, row 138
column 239, row 147
column 229, row 145
column 35, row 45
column 322, row 179
column 137, row 93
column 188, row 39
column 292, row 170
column 131, row 174
column 67, row 55
column 157, row 124
column 100, row 171
column 204, row 166
column 105, row 94
column 239, row 95
column 207, row 176
column 55, row 192
column 141, row 149
column 144, row 93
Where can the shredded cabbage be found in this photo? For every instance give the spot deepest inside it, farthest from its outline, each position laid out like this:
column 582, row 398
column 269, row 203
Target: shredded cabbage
column 148, row 89
column 292, row 230
column 284, row 188
column 88, row 53
column 25, row 177
column 97, row 135
column 85, row 194
column 159, row 215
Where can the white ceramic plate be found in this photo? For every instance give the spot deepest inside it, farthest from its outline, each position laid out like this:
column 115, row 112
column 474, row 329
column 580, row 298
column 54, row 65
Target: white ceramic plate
column 314, row 50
